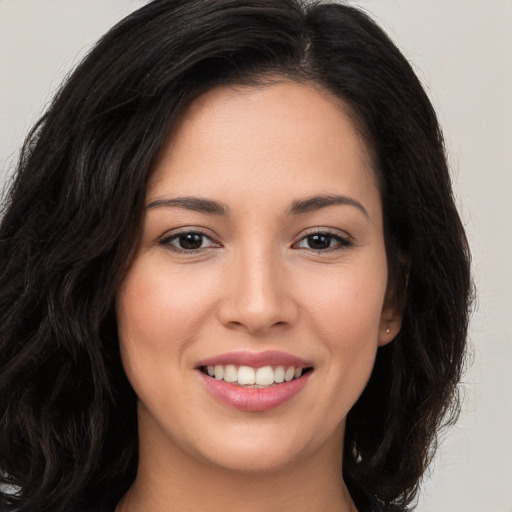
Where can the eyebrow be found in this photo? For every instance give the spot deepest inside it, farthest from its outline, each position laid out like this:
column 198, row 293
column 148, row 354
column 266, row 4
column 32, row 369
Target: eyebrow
column 217, row 208
column 323, row 201
column 192, row 203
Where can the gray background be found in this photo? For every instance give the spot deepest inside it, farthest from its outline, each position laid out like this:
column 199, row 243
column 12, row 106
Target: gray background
column 462, row 51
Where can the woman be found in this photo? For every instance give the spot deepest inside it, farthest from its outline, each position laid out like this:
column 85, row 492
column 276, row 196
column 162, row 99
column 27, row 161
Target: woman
column 233, row 274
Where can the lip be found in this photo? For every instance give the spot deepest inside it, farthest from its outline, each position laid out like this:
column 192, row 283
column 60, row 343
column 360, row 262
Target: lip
column 256, row 359
column 254, row 399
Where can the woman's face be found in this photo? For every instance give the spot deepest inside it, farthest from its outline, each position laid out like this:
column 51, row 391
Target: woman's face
column 262, row 257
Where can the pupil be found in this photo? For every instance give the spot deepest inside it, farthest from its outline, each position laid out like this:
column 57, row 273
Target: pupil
column 191, row 241
column 319, row 241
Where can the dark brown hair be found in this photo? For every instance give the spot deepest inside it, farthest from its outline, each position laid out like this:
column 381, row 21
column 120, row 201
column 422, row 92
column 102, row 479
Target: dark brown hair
column 72, row 218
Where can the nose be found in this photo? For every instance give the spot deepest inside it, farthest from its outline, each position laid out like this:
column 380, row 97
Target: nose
column 257, row 295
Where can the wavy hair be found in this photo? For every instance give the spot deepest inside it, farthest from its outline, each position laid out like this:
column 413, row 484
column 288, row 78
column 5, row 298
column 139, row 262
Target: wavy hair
column 72, row 218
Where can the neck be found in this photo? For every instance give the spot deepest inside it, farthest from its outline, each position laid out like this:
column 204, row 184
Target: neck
column 173, row 480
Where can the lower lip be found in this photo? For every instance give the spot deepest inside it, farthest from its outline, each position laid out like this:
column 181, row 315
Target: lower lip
column 254, row 399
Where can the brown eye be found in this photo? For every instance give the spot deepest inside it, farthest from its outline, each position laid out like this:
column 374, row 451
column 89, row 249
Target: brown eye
column 323, row 242
column 189, row 241
column 319, row 242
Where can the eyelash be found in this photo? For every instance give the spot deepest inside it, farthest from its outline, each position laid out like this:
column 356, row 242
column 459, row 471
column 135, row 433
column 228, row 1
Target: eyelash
column 342, row 242
column 167, row 241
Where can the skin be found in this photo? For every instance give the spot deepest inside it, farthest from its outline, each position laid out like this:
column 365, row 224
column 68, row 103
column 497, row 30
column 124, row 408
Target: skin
column 255, row 284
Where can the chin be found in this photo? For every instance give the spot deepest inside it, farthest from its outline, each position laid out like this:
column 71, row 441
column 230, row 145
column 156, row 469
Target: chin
column 253, row 461
column 260, row 451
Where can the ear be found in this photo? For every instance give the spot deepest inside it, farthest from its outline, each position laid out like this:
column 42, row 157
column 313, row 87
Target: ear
column 394, row 301
column 390, row 320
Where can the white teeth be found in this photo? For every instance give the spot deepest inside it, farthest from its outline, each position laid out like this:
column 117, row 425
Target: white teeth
column 219, row 371
column 255, row 377
column 289, row 374
column 230, row 373
column 279, row 374
column 264, row 376
column 246, row 376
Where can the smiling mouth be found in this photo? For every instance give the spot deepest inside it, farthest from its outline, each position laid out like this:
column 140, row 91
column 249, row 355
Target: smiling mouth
column 250, row 377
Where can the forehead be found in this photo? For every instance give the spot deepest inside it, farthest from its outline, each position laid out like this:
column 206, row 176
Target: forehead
column 280, row 134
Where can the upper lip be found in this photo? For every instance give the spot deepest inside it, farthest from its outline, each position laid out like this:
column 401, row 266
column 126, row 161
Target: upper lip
column 256, row 359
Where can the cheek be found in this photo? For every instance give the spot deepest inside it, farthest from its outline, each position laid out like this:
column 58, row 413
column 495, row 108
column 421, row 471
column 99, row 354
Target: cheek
column 158, row 315
column 158, row 305
column 344, row 311
column 347, row 303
